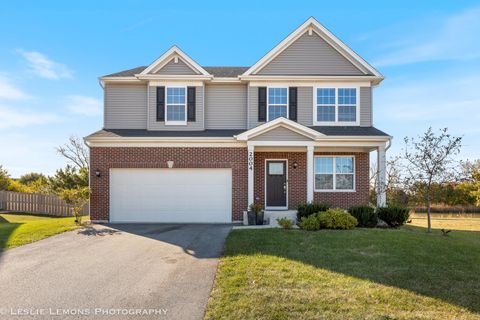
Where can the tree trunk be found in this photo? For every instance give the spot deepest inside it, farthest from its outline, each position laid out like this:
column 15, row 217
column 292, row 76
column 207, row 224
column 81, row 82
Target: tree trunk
column 428, row 210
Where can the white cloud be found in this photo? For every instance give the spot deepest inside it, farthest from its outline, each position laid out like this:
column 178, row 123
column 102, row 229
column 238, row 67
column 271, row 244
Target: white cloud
column 453, row 38
column 10, row 91
column 12, row 118
column 83, row 105
column 44, row 67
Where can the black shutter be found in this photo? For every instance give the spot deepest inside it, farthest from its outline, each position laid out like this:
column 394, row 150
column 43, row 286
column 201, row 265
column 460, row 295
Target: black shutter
column 160, row 103
column 292, row 103
column 262, row 104
column 191, row 104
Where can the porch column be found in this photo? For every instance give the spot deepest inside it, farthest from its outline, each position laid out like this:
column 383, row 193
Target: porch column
column 250, row 164
column 310, row 179
column 381, row 177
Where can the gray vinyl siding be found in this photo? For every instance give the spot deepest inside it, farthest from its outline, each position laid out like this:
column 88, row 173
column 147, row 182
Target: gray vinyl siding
column 253, row 107
column 125, row 106
column 173, row 68
column 310, row 55
column 155, row 125
column 305, row 105
column 226, row 106
column 281, row 134
column 366, row 112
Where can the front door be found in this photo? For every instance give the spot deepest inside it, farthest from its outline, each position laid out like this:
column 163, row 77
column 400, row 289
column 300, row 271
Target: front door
column 276, row 184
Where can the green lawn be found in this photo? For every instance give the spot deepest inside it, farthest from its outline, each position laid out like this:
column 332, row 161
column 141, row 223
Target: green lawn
column 359, row 274
column 20, row 229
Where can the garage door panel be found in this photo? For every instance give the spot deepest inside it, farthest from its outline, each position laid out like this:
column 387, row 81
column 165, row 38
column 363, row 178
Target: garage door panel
column 170, row 195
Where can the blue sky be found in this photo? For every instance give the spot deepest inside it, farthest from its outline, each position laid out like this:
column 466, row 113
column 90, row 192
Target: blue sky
column 52, row 52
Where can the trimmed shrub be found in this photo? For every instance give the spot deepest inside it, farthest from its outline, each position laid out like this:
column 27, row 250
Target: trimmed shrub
column 365, row 215
column 394, row 216
column 285, row 223
column 336, row 219
column 307, row 209
column 310, row 223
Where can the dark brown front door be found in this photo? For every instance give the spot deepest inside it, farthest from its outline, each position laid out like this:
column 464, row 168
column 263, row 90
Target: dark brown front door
column 276, row 175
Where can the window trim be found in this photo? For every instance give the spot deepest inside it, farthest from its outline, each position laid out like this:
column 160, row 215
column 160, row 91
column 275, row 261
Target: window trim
column 268, row 101
column 335, row 173
column 175, row 122
column 336, row 122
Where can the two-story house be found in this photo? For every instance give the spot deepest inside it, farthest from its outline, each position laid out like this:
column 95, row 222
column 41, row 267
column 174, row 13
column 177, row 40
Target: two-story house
column 186, row 143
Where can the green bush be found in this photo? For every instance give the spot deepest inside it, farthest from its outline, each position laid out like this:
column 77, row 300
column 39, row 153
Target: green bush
column 365, row 215
column 307, row 209
column 336, row 219
column 394, row 216
column 285, row 223
column 310, row 223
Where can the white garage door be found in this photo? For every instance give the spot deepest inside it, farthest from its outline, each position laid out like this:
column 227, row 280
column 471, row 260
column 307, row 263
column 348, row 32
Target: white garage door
column 171, row 195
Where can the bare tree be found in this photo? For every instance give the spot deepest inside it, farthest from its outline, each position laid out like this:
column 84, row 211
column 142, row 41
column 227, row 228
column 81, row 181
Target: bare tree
column 75, row 151
column 429, row 159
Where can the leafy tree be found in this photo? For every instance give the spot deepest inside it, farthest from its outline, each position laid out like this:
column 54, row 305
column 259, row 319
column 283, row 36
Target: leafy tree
column 69, row 178
column 78, row 198
column 475, row 192
column 31, row 177
column 429, row 158
column 4, row 178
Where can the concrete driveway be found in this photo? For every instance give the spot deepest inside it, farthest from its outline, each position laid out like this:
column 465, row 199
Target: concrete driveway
column 113, row 272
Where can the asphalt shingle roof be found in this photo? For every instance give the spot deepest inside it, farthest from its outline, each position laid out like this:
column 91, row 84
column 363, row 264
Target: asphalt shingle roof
column 139, row 133
column 227, row 72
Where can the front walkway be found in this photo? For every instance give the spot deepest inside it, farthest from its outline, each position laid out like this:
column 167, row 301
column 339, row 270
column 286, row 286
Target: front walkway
column 162, row 267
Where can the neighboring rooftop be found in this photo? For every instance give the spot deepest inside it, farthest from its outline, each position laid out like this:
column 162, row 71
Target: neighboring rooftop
column 139, row 133
column 222, row 72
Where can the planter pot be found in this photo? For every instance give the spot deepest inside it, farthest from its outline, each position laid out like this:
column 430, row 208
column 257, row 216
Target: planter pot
column 259, row 218
column 251, row 218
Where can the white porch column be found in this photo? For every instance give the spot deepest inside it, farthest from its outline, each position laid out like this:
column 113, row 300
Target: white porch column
column 310, row 179
column 381, row 177
column 250, row 164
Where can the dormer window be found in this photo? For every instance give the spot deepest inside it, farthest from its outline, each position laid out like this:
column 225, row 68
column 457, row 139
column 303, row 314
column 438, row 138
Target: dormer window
column 336, row 106
column 277, row 103
column 176, row 107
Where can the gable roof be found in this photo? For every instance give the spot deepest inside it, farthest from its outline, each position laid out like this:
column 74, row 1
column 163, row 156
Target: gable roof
column 312, row 25
column 171, row 53
column 279, row 122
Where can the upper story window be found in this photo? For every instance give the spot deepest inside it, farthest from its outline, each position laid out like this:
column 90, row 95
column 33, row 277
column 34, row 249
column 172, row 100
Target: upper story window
column 277, row 103
column 336, row 105
column 176, row 107
column 334, row 173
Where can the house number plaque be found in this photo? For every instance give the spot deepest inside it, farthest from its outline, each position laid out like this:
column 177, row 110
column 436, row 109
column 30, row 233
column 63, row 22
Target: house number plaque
column 250, row 160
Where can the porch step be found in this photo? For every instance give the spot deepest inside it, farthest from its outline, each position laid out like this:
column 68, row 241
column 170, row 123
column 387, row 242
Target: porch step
column 273, row 215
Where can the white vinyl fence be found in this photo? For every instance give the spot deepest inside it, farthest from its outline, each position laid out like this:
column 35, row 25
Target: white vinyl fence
column 37, row 203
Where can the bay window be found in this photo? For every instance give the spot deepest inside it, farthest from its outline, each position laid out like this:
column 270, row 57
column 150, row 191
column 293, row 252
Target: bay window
column 334, row 173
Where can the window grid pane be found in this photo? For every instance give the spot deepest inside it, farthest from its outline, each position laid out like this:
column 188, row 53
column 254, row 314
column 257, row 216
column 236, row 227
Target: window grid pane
column 347, row 96
column 175, row 113
column 334, row 173
column 347, row 113
column 175, row 95
column 277, row 103
column 326, row 113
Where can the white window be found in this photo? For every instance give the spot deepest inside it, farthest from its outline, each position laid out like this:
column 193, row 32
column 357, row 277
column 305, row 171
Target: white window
column 176, row 107
column 334, row 173
column 277, row 103
column 336, row 105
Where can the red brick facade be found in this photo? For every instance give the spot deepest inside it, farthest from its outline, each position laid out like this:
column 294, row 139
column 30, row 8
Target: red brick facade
column 150, row 157
column 105, row 158
column 362, row 184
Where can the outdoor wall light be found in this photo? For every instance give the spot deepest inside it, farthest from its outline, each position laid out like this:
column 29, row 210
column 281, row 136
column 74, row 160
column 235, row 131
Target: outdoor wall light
column 295, row 164
column 97, row 173
column 170, row 164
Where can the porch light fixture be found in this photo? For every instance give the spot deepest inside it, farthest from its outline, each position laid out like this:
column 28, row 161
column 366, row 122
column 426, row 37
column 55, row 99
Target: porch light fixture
column 295, row 164
column 97, row 173
column 170, row 164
